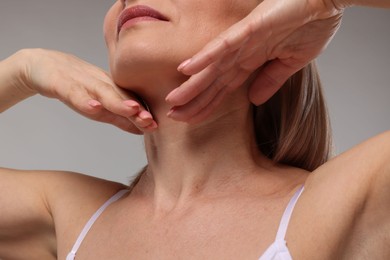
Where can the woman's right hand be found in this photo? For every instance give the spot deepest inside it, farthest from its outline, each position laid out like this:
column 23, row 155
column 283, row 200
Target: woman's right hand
column 83, row 87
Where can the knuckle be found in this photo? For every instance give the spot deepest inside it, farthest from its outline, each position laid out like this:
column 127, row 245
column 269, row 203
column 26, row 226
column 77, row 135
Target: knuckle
column 209, row 58
column 217, row 68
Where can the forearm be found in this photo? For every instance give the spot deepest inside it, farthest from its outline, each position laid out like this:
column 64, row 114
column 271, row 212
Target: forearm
column 13, row 88
column 370, row 3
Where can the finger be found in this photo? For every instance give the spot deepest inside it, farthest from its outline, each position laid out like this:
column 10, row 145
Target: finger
column 226, row 42
column 136, row 125
column 269, row 80
column 126, row 125
column 130, row 108
column 193, row 87
column 115, row 103
column 82, row 102
column 201, row 81
column 123, row 123
column 238, row 80
column 208, row 110
column 231, row 80
column 143, row 120
column 185, row 112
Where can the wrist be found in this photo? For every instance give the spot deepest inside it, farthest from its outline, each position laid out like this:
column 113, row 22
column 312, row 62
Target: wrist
column 20, row 79
column 13, row 87
column 369, row 3
column 336, row 6
column 340, row 4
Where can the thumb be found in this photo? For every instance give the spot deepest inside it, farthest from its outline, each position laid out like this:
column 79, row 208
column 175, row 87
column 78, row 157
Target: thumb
column 269, row 80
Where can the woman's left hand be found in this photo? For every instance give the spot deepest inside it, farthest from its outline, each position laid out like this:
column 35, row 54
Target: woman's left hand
column 280, row 36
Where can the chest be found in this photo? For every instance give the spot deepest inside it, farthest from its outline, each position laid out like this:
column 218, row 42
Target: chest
column 234, row 230
column 201, row 233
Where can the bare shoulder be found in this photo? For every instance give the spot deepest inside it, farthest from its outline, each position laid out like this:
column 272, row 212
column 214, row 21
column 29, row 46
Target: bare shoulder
column 55, row 186
column 72, row 187
column 373, row 153
column 362, row 173
column 35, row 203
column 363, row 164
column 350, row 195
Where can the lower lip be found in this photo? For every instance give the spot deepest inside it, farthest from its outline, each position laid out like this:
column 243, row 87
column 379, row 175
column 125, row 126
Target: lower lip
column 134, row 21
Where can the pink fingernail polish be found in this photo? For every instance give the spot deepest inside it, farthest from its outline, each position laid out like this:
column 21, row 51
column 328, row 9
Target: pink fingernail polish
column 94, row 103
column 145, row 115
column 171, row 112
column 169, row 97
column 183, row 64
column 153, row 125
column 131, row 103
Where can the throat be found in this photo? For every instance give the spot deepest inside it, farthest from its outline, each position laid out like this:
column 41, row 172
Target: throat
column 188, row 162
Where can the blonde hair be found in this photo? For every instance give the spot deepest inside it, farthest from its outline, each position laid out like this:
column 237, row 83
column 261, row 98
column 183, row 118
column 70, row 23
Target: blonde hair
column 293, row 126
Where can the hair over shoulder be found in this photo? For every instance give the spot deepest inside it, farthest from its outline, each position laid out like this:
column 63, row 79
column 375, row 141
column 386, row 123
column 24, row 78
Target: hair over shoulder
column 293, row 127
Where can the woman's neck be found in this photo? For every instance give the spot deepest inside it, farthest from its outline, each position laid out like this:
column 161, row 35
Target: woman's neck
column 188, row 161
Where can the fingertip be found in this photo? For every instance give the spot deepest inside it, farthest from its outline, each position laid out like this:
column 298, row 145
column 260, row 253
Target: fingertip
column 255, row 95
column 153, row 126
column 145, row 115
column 91, row 107
column 173, row 114
column 177, row 97
column 148, row 128
column 132, row 108
column 196, row 64
column 262, row 90
column 170, row 97
column 255, row 101
column 132, row 104
column 183, row 65
column 94, row 103
column 170, row 112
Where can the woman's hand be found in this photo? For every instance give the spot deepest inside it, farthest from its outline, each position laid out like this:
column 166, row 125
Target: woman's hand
column 85, row 88
column 279, row 37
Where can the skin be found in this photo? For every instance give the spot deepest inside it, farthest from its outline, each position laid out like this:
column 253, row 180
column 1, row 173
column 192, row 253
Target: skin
column 132, row 70
column 83, row 87
column 279, row 37
column 191, row 203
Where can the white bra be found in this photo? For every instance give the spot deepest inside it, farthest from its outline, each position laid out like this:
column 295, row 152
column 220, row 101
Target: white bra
column 276, row 251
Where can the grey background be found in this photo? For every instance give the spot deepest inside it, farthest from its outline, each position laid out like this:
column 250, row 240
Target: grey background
column 42, row 133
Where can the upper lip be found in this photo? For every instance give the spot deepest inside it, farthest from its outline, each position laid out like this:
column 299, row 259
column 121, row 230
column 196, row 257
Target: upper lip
column 138, row 11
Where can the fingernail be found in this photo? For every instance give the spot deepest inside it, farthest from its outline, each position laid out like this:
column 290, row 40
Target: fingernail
column 183, row 64
column 172, row 93
column 153, row 125
column 145, row 115
column 94, row 103
column 131, row 103
column 171, row 112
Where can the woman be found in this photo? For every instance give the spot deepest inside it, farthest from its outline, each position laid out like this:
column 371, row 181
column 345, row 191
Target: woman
column 208, row 191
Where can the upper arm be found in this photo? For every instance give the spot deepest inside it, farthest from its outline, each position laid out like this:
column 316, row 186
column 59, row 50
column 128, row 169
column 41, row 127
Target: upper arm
column 372, row 228
column 371, row 160
column 37, row 206
column 25, row 215
column 378, row 153
column 378, row 204
column 350, row 194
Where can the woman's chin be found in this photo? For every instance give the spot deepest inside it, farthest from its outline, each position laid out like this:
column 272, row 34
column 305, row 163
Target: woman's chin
column 135, row 67
column 148, row 80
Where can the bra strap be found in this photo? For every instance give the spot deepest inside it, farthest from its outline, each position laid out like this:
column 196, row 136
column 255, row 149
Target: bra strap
column 92, row 220
column 287, row 214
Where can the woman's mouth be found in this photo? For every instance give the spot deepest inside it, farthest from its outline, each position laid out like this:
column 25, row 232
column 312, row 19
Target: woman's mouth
column 138, row 13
